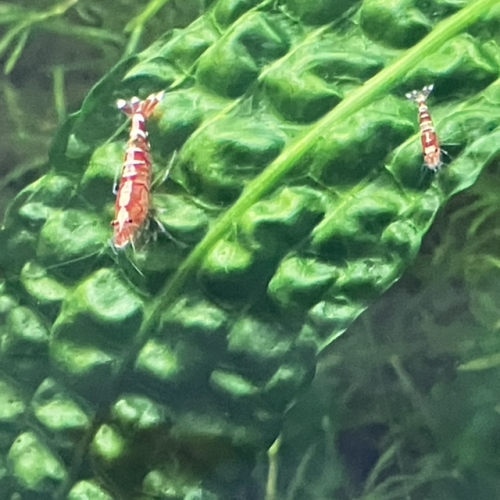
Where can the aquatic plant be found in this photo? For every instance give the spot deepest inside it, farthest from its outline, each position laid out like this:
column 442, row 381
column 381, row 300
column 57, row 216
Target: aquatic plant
column 296, row 198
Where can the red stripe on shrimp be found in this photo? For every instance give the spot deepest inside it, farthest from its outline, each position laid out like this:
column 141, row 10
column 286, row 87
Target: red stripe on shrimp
column 133, row 197
column 430, row 142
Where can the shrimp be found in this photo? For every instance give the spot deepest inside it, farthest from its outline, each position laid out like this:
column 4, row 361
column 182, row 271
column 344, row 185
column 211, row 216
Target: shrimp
column 133, row 195
column 429, row 138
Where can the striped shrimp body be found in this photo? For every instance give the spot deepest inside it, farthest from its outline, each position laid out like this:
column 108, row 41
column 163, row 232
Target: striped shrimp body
column 133, row 196
column 429, row 138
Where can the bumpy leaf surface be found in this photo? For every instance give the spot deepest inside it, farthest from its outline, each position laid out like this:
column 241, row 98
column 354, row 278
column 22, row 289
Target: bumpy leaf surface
column 297, row 196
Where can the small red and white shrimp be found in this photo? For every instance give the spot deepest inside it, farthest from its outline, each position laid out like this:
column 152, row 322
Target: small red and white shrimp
column 429, row 138
column 133, row 195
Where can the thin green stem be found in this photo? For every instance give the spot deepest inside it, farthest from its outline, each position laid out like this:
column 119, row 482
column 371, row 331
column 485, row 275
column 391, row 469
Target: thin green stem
column 16, row 53
column 59, row 93
column 91, row 35
column 272, row 476
column 136, row 25
column 57, row 11
column 134, row 40
column 8, row 38
column 153, row 7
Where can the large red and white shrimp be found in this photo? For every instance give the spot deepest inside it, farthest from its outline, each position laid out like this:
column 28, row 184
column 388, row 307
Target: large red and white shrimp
column 133, row 194
column 428, row 136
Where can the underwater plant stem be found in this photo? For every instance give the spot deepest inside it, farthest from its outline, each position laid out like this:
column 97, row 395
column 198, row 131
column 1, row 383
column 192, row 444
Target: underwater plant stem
column 261, row 185
column 151, row 9
column 136, row 25
column 272, row 475
column 133, row 43
column 60, row 9
column 384, row 462
column 299, row 477
column 16, row 53
column 409, row 388
column 59, row 94
column 95, row 36
column 57, row 11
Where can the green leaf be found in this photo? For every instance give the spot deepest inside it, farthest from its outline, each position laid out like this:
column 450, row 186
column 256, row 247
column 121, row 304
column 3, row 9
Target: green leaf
column 297, row 197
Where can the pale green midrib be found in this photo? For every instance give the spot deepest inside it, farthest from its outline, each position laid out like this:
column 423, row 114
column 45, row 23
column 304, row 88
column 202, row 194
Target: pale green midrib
column 291, row 154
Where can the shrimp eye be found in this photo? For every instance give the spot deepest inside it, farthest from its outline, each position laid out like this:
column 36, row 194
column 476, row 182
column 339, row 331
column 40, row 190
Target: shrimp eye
column 114, row 223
